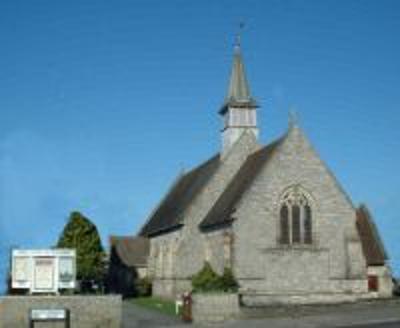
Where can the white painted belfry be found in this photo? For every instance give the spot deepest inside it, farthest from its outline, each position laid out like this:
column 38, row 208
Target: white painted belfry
column 239, row 108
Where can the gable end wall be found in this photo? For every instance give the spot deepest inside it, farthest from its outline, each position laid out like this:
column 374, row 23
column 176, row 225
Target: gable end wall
column 334, row 259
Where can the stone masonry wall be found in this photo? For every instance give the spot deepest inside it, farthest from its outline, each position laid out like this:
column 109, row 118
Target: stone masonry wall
column 192, row 256
column 215, row 308
column 218, row 244
column 171, row 288
column 188, row 243
column 385, row 283
column 335, row 256
column 85, row 311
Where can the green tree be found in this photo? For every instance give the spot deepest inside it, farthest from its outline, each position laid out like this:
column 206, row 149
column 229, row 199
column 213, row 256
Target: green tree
column 81, row 234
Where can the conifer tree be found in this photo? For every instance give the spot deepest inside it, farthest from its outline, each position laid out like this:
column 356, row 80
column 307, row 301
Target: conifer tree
column 81, row 234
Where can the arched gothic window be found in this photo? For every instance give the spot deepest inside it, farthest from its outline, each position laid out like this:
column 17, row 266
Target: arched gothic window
column 295, row 217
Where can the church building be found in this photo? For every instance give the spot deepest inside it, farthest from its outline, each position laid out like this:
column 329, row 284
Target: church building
column 275, row 214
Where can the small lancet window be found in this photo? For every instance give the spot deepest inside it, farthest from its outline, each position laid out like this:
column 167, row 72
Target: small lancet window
column 296, row 237
column 284, row 225
column 307, row 225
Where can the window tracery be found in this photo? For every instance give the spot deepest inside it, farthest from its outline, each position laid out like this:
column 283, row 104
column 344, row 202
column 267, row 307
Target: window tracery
column 295, row 217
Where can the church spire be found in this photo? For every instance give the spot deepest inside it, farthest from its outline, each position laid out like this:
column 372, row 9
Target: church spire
column 239, row 91
column 239, row 108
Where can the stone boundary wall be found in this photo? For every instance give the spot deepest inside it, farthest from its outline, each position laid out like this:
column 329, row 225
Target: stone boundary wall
column 265, row 299
column 215, row 307
column 85, row 311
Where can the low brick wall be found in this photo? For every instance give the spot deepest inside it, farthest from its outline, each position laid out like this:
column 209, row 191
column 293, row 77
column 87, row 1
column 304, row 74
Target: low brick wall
column 215, row 307
column 85, row 311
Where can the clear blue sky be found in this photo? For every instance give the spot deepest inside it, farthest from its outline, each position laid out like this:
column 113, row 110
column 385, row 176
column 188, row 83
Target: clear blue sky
column 103, row 102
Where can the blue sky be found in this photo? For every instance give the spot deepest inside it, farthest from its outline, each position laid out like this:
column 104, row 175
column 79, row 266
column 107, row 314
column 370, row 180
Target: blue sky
column 103, row 102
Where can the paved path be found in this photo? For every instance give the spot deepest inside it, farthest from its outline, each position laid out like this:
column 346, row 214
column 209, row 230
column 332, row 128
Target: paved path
column 376, row 325
column 367, row 315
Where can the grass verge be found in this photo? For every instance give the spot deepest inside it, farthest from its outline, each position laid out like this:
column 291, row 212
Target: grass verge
column 156, row 304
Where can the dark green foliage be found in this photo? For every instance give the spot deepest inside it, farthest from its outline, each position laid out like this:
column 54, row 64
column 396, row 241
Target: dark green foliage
column 80, row 233
column 143, row 287
column 207, row 280
column 229, row 283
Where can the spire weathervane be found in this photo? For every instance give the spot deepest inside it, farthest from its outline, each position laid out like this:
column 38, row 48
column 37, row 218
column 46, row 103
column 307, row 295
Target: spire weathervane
column 238, row 92
column 239, row 36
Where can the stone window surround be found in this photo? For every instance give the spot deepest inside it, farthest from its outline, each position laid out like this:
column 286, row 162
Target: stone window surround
column 298, row 196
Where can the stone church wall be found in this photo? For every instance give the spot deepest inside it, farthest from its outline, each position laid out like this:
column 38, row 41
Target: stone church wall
column 333, row 263
column 218, row 248
column 385, row 283
column 191, row 252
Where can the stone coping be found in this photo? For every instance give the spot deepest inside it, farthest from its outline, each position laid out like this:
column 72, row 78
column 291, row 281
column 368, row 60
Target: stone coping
column 61, row 296
column 300, row 293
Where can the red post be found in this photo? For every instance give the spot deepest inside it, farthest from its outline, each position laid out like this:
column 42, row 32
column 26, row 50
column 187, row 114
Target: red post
column 187, row 307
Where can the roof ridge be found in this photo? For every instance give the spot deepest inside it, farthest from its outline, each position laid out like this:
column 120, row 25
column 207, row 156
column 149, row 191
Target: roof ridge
column 201, row 165
column 273, row 143
column 168, row 214
column 224, row 206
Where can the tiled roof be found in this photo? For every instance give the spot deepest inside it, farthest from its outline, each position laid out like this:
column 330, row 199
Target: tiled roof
column 372, row 245
column 223, row 210
column 168, row 215
column 132, row 251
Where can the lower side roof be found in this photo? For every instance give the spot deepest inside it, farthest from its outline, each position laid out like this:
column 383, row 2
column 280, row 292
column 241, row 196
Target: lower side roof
column 372, row 245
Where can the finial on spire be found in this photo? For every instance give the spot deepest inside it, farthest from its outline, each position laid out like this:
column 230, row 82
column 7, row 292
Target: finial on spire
column 293, row 117
column 238, row 36
column 181, row 169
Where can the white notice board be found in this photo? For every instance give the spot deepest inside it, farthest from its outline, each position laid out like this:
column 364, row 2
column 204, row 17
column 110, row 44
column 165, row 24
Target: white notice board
column 44, row 270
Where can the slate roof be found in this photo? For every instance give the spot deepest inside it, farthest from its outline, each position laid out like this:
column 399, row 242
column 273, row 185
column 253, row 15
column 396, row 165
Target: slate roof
column 223, row 210
column 132, row 251
column 372, row 245
column 168, row 215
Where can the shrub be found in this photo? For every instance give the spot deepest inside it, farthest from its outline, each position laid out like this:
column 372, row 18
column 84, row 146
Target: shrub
column 229, row 282
column 207, row 280
column 144, row 286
